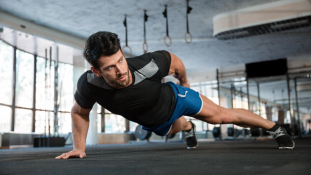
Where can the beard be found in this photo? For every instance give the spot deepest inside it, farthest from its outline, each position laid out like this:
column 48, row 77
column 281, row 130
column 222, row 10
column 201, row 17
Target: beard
column 121, row 84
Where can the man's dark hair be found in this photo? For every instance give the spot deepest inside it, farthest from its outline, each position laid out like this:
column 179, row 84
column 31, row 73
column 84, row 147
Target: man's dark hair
column 100, row 44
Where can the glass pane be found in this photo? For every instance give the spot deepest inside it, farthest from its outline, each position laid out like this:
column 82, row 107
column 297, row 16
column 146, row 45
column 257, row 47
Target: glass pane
column 133, row 126
column 99, row 108
column 65, row 74
column 40, row 117
column 24, row 79
column 99, row 126
column 6, row 72
column 199, row 125
column 114, row 123
column 23, row 120
column 44, row 96
column 5, row 119
column 64, row 122
column 42, row 121
column 98, row 120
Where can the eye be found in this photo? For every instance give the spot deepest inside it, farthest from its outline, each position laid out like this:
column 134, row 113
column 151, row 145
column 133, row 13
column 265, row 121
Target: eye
column 121, row 60
column 109, row 68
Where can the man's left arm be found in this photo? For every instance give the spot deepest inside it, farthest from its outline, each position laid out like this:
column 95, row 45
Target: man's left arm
column 178, row 70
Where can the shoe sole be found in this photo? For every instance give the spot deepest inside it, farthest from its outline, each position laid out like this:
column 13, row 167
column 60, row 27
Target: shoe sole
column 288, row 147
column 194, row 147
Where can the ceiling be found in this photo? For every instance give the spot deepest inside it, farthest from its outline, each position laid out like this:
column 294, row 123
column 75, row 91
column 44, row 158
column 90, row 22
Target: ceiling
column 81, row 18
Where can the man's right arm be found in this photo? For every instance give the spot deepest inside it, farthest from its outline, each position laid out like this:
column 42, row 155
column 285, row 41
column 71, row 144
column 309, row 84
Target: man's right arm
column 80, row 125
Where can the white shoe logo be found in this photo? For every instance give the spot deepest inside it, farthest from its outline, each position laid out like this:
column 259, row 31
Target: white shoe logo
column 183, row 95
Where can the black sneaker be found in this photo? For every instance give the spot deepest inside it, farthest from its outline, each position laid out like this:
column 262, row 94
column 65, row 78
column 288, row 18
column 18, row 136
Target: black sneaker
column 282, row 137
column 190, row 137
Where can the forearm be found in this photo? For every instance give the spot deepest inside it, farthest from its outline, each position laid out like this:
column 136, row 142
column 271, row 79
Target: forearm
column 80, row 126
column 181, row 75
column 178, row 70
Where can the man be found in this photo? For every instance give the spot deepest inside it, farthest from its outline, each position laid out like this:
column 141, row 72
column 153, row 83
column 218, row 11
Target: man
column 132, row 88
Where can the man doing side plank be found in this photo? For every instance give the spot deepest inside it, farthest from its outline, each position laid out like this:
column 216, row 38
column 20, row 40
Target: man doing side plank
column 132, row 88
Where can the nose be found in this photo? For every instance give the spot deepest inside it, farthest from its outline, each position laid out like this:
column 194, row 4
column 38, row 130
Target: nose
column 119, row 69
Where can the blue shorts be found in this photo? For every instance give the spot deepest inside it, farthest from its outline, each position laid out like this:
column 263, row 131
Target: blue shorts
column 187, row 102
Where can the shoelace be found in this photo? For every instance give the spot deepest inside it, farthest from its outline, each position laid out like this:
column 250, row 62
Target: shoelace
column 190, row 133
column 279, row 132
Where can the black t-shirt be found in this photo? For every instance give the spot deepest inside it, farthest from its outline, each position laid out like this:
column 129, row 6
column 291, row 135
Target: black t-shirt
column 146, row 101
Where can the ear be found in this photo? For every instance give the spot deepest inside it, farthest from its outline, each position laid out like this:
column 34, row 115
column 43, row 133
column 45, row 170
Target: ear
column 96, row 72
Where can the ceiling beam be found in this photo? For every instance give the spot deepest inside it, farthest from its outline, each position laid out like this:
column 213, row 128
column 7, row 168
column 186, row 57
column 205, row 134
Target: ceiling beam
column 40, row 31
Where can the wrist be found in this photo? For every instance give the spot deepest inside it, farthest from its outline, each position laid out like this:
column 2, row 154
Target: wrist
column 79, row 148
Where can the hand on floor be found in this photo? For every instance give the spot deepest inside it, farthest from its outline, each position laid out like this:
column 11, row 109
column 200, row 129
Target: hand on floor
column 73, row 153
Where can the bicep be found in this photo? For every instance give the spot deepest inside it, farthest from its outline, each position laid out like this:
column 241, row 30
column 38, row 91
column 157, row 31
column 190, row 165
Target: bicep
column 76, row 108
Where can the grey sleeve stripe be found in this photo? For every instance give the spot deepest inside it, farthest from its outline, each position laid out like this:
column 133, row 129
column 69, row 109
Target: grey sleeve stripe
column 146, row 72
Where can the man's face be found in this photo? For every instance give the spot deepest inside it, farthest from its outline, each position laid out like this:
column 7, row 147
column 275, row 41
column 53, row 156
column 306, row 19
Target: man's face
column 114, row 69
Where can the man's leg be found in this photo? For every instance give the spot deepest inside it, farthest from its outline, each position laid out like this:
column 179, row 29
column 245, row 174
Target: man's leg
column 180, row 124
column 215, row 114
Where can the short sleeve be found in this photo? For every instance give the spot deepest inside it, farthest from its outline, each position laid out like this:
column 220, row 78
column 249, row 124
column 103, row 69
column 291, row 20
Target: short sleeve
column 82, row 95
column 163, row 59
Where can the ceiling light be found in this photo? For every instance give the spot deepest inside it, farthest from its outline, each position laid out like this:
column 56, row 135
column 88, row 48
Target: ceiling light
column 290, row 24
column 233, row 34
column 262, row 19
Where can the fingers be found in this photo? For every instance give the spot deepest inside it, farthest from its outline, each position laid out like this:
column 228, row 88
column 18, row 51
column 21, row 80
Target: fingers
column 64, row 156
column 61, row 156
column 67, row 155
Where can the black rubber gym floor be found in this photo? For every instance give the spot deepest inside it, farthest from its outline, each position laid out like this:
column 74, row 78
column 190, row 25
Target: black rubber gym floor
column 220, row 157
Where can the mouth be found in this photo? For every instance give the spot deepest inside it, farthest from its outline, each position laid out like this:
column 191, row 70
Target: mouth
column 122, row 78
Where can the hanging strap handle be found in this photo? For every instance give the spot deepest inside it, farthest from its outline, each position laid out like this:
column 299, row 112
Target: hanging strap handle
column 167, row 35
column 126, row 46
column 145, row 45
column 185, row 36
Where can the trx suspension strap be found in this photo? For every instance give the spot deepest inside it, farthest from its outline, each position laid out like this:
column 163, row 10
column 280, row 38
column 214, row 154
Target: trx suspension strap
column 126, row 46
column 185, row 36
column 145, row 45
column 167, row 35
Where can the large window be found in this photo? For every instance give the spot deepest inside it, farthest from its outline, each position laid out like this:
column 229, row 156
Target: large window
column 64, row 122
column 24, row 91
column 65, row 93
column 65, row 74
column 42, row 119
column 133, row 126
column 44, row 84
column 6, row 73
column 114, row 123
column 6, row 77
column 5, row 118
column 23, row 122
column 24, row 79
column 24, row 97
